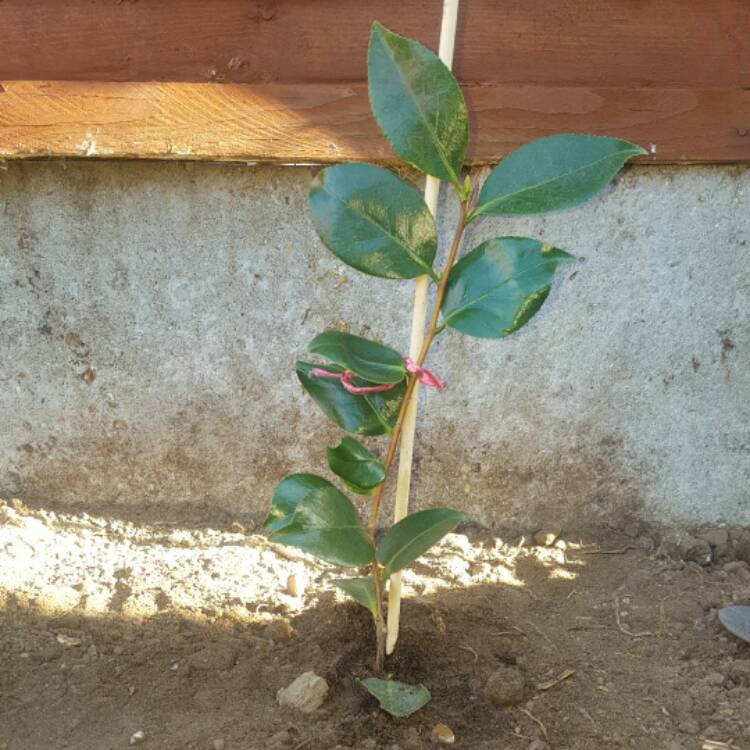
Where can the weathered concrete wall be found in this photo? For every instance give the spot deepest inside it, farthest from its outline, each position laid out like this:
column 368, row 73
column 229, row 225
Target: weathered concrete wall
column 151, row 314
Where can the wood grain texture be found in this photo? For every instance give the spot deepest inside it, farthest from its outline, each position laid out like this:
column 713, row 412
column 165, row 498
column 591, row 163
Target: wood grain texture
column 328, row 122
column 661, row 43
column 273, row 80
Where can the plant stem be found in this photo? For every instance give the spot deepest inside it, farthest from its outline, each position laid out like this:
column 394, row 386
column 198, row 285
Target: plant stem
column 432, row 330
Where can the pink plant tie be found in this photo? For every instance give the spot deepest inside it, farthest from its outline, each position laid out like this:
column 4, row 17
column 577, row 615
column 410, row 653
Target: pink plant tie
column 423, row 375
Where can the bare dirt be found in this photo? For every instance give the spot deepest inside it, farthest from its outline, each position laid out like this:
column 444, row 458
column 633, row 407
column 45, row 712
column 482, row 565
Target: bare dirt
column 115, row 633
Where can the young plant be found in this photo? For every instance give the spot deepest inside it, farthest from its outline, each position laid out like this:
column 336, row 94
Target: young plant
column 379, row 224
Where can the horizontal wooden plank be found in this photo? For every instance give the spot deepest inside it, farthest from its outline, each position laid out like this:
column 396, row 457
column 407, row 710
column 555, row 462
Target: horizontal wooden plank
column 660, row 43
column 332, row 122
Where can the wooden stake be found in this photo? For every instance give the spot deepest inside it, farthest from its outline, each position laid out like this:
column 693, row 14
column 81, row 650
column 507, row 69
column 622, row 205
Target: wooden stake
column 418, row 321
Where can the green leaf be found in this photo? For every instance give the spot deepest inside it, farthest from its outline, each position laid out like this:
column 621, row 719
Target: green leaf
column 359, row 469
column 397, row 698
column 412, row 536
column 362, row 590
column 499, row 286
column 551, row 173
column 320, row 520
column 369, row 360
column 417, row 103
column 373, row 414
column 373, row 221
column 287, row 496
column 736, row 619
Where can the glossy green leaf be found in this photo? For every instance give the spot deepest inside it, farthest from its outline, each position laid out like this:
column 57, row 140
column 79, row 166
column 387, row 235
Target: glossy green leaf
column 373, row 414
column 320, row 520
column 359, row 469
column 412, row 536
column 736, row 619
column 373, row 221
column 287, row 496
column 499, row 286
column 397, row 698
column 551, row 173
column 367, row 359
column 417, row 103
column 362, row 590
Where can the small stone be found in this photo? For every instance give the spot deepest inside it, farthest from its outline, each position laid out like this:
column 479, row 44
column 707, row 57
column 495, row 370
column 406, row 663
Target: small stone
column 68, row 641
column 296, row 584
column 505, row 687
column 278, row 631
column 137, row 737
column 442, row 733
column 547, row 537
column 218, row 744
column 538, row 745
column 307, row 693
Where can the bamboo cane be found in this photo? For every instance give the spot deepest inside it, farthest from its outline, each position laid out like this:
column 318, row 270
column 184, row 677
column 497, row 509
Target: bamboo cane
column 418, row 321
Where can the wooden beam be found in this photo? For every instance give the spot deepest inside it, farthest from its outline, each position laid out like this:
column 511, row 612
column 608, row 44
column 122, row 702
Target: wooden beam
column 332, row 122
column 621, row 43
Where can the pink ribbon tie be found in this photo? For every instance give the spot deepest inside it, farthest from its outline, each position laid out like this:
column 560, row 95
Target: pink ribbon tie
column 422, row 374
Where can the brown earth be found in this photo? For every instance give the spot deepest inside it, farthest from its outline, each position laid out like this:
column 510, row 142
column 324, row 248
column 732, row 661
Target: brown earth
column 108, row 629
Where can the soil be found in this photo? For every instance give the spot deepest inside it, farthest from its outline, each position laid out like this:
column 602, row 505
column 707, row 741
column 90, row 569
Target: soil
column 115, row 633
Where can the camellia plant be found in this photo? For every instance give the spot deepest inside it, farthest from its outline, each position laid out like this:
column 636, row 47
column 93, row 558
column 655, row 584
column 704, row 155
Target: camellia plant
column 379, row 224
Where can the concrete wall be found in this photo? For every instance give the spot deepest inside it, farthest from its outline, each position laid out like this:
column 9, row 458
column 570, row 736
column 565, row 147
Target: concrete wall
column 151, row 314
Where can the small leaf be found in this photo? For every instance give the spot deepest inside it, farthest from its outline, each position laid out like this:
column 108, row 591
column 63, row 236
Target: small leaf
column 362, row 590
column 287, row 496
column 320, row 520
column 359, row 469
column 373, row 221
column 412, row 536
column 417, row 103
column 499, row 286
column 368, row 359
column 397, row 698
column 736, row 619
column 373, row 414
column 559, row 171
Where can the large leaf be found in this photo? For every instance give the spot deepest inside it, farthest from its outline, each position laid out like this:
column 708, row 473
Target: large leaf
column 499, row 286
column 372, row 414
column 287, row 496
column 551, row 173
column 360, row 470
column 736, row 619
column 373, row 221
column 368, row 359
column 362, row 590
column 321, row 520
column 417, row 103
column 406, row 540
column 397, row 698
